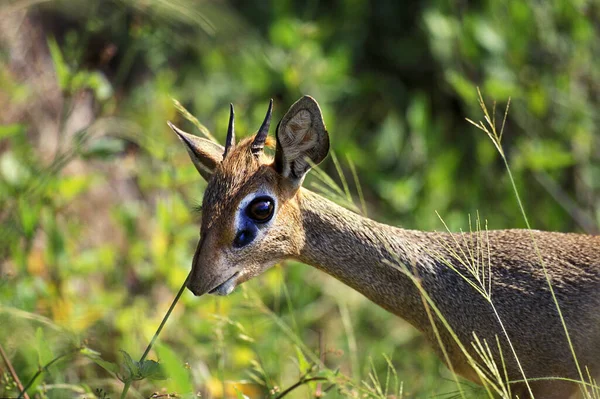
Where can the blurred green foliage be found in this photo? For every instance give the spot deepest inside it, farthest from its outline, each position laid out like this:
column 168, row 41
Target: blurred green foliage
column 97, row 228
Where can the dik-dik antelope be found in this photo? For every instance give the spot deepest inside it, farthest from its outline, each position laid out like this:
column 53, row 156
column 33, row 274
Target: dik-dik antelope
column 256, row 213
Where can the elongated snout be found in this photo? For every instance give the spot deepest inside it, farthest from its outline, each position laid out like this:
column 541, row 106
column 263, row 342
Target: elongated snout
column 223, row 285
column 201, row 279
column 210, row 274
column 198, row 275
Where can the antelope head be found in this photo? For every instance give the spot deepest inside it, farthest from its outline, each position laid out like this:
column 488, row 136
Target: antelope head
column 250, row 211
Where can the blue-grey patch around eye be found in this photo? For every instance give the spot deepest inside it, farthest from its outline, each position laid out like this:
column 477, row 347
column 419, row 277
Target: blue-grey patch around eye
column 245, row 236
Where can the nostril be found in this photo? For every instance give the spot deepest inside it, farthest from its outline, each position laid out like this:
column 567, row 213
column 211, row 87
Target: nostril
column 243, row 238
column 190, row 287
column 194, row 288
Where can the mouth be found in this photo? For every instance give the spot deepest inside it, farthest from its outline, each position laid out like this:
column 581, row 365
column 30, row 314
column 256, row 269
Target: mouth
column 226, row 287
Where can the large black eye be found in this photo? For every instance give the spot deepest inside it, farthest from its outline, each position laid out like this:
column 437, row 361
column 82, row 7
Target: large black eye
column 260, row 209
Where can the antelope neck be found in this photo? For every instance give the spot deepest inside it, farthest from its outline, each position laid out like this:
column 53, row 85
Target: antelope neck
column 358, row 252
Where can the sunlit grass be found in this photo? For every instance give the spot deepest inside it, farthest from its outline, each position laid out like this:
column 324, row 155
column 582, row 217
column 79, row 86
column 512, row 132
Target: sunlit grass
column 370, row 377
column 313, row 372
column 495, row 136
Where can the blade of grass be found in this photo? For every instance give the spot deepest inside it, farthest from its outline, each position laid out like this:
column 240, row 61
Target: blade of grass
column 496, row 138
column 187, row 115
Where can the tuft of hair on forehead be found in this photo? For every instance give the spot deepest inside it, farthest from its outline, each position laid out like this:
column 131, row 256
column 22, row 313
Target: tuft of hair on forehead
column 233, row 176
column 270, row 142
column 242, row 153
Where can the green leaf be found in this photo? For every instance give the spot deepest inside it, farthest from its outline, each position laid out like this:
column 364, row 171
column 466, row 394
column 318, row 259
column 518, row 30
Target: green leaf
column 240, row 395
column 11, row 130
column 488, row 37
column 56, row 246
column 95, row 357
column 92, row 80
column 132, row 368
column 13, row 170
column 104, row 147
column 179, row 376
column 152, row 370
column 45, row 354
column 101, row 86
column 286, row 33
column 29, row 215
column 60, row 66
column 70, row 187
column 390, row 138
column 303, row 364
column 546, row 155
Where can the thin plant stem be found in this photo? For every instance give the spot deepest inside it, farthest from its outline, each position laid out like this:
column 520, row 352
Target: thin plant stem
column 164, row 320
column 288, row 300
column 496, row 140
column 438, row 337
column 361, row 196
column 300, row 382
column 125, row 389
column 158, row 331
column 44, row 368
column 351, row 337
column 485, row 294
column 187, row 115
column 548, row 279
column 12, row 372
column 340, row 173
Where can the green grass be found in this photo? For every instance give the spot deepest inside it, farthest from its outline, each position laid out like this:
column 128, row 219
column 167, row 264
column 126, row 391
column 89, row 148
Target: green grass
column 313, row 371
column 296, row 359
column 97, row 233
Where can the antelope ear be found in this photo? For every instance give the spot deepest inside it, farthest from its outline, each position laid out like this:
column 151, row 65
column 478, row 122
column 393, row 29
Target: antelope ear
column 205, row 154
column 302, row 140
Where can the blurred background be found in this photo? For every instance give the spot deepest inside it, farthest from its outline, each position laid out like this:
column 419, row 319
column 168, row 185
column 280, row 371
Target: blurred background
column 97, row 197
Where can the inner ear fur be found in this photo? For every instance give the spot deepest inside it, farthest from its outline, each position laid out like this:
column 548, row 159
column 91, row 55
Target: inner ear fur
column 302, row 139
column 205, row 154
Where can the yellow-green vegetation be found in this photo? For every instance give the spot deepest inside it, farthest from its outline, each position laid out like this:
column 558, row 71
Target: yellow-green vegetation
column 99, row 202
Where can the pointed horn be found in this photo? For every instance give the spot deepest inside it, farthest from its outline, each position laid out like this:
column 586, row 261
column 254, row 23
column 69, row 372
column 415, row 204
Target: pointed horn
column 259, row 141
column 230, row 140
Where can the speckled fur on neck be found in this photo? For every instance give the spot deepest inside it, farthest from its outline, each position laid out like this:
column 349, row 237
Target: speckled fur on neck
column 358, row 252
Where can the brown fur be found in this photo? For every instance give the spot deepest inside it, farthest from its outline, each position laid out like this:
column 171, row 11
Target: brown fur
column 354, row 250
column 370, row 257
